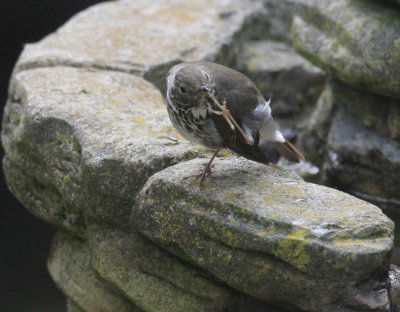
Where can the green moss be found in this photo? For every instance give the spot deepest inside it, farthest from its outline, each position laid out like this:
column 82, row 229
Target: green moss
column 292, row 248
column 231, row 195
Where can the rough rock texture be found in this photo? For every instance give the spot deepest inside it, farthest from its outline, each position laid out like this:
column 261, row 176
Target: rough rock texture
column 255, row 225
column 70, row 266
column 277, row 19
column 152, row 278
column 361, row 160
column 394, row 276
column 291, row 82
column 356, row 41
column 353, row 134
column 142, row 39
column 79, row 140
column 85, row 129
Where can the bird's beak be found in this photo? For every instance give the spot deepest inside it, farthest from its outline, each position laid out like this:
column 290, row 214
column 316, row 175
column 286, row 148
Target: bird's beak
column 204, row 90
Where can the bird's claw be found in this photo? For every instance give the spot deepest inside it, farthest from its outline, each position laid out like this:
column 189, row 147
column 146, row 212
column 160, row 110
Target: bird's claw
column 224, row 112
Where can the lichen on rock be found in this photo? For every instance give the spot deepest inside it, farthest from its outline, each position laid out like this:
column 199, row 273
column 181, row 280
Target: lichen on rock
column 87, row 137
column 279, row 239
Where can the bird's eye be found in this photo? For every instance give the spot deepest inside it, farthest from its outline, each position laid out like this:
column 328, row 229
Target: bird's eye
column 182, row 90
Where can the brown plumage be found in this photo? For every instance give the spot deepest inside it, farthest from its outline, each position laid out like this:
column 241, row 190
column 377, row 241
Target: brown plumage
column 196, row 94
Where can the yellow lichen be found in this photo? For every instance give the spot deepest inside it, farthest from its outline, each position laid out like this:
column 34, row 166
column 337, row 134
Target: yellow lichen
column 291, row 248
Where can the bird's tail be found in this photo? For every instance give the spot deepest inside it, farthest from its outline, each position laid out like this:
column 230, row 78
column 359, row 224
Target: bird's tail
column 288, row 151
column 270, row 131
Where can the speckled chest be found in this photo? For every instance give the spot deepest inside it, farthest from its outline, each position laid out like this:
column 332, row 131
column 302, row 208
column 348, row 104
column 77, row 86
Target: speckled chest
column 195, row 124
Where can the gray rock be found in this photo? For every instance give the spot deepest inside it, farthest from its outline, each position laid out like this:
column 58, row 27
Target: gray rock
column 355, row 41
column 83, row 132
column 144, row 40
column 313, row 138
column 291, row 82
column 376, row 112
column 271, row 235
column 363, row 162
column 69, row 266
column 394, row 276
column 73, row 307
column 152, row 278
column 277, row 20
column 85, row 140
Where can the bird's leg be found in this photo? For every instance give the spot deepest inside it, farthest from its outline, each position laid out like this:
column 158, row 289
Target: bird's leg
column 224, row 112
column 207, row 170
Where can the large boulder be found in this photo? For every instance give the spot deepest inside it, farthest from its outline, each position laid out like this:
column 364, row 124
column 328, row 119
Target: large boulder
column 70, row 266
column 145, row 40
column 353, row 134
column 80, row 140
column 87, row 137
column 356, row 41
column 269, row 234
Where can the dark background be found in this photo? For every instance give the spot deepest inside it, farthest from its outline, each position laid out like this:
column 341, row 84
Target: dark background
column 25, row 284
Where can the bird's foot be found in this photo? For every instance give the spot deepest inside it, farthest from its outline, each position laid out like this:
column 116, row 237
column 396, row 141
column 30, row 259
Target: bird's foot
column 224, row 112
column 206, row 171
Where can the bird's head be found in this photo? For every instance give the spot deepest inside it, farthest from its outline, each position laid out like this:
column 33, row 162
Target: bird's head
column 188, row 84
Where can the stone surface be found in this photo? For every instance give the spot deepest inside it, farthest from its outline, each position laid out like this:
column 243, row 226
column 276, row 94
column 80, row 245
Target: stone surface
column 271, row 235
column 394, row 275
column 277, row 19
column 70, row 266
column 84, row 133
column 357, row 41
column 142, row 39
column 152, row 278
column 375, row 112
column 73, row 307
column 353, row 137
column 395, row 1
column 363, row 162
column 85, row 140
column 291, row 82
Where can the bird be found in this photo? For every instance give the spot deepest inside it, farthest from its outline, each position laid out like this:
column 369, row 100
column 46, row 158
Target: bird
column 218, row 107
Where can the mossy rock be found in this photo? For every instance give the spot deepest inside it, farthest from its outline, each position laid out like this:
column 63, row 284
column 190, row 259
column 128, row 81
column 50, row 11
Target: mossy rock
column 356, row 41
column 269, row 234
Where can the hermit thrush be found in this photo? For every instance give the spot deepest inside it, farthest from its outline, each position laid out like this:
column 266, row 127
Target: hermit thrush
column 218, row 107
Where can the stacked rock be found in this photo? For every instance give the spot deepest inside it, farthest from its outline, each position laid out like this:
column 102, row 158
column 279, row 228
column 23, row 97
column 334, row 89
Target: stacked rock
column 354, row 133
column 89, row 148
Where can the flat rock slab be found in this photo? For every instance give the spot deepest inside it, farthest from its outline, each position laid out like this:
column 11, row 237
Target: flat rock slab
column 269, row 234
column 357, row 41
column 135, row 37
column 363, row 161
column 85, row 140
column 70, row 266
column 152, row 278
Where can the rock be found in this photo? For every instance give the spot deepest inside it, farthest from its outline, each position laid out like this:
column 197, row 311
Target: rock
column 80, row 140
column 152, row 278
column 363, row 162
column 398, row 1
column 355, row 144
column 144, row 40
column 355, row 41
column 269, row 234
column 291, row 82
column 277, row 20
column 313, row 139
column 73, row 307
column 87, row 137
column 394, row 276
column 69, row 266
column 376, row 112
